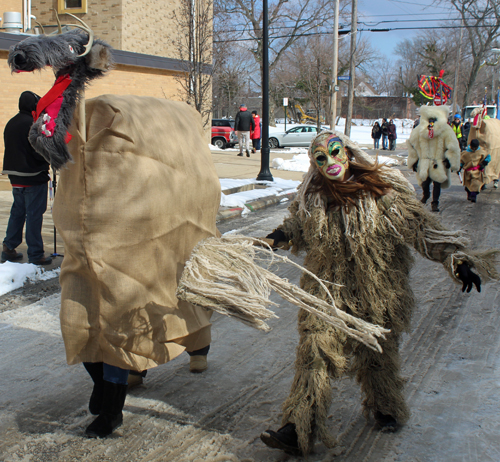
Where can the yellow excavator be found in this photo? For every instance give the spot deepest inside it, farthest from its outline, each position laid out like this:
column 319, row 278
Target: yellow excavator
column 305, row 118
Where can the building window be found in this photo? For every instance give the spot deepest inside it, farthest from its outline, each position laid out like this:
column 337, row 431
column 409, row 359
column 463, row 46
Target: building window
column 71, row 6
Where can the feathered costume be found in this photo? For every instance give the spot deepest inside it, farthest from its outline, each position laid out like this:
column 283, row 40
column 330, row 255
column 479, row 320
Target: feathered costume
column 364, row 251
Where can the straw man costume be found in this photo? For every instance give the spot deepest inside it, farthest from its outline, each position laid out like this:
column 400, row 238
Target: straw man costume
column 356, row 221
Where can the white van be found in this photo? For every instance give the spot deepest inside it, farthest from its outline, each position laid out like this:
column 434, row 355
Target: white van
column 492, row 111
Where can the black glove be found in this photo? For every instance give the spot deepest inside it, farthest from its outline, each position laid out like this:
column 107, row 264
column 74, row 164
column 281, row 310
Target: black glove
column 278, row 236
column 483, row 165
column 415, row 166
column 468, row 277
column 446, row 163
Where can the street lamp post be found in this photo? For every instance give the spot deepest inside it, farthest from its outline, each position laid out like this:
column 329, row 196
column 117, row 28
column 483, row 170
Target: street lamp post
column 265, row 173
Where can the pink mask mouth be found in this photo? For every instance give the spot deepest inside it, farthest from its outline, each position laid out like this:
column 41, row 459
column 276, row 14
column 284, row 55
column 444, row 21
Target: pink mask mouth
column 334, row 170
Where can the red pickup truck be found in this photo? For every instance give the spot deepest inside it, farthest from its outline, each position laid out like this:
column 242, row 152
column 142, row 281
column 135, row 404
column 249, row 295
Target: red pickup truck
column 223, row 134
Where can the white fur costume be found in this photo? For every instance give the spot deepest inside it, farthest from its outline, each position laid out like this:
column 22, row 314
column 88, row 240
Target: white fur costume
column 431, row 152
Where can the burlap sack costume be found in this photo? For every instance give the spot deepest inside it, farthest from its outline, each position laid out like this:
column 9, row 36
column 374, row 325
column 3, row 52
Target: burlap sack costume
column 473, row 177
column 141, row 193
column 487, row 132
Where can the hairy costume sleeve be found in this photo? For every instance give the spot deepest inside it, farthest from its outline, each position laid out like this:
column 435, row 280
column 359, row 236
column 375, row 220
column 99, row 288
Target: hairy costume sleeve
column 407, row 219
column 292, row 227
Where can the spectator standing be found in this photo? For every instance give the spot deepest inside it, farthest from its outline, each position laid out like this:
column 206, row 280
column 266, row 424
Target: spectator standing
column 392, row 135
column 376, row 134
column 385, row 134
column 456, row 125
column 29, row 176
column 243, row 124
column 255, row 133
column 465, row 132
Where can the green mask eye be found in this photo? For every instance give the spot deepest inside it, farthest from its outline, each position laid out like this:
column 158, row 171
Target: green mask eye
column 321, row 159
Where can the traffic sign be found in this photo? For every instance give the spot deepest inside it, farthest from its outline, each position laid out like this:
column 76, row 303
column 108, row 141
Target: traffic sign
column 344, row 77
column 438, row 101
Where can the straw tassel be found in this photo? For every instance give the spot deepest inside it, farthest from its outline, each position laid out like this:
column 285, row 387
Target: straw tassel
column 223, row 274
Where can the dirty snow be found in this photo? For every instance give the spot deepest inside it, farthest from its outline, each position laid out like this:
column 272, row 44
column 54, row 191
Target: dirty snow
column 277, row 187
column 15, row 275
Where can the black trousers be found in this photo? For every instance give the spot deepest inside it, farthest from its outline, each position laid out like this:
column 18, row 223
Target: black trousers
column 436, row 190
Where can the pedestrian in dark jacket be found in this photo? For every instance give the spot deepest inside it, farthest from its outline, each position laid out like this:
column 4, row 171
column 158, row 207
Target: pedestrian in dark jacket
column 376, row 134
column 385, row 134
column 465, row 132
column 29, row 175
column 243, row 124
column 392, row 135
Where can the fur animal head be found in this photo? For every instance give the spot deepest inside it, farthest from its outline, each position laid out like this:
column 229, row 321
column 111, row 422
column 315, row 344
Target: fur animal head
column 435, row 118
column 477, row 115
column 76, row 58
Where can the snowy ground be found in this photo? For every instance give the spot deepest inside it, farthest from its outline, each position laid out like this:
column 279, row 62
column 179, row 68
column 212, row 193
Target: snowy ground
column 450, row 359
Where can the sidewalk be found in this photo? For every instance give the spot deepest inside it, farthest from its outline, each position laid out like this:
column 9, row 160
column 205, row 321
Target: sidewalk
column 227, row 165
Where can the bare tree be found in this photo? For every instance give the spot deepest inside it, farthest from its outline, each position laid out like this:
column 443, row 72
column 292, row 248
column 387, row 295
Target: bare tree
column 288, row 21
column 194, row 19
column 482, row 22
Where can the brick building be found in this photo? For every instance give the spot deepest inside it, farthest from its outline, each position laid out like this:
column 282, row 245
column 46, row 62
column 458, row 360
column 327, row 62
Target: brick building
column 142, row 32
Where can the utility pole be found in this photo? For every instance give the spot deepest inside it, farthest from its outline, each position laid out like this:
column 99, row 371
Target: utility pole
column 455, row 83
column 352, row 67
column 265, row 173
column 335, row 62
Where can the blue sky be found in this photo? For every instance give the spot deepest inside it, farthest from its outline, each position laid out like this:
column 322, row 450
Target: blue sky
column 421, row 13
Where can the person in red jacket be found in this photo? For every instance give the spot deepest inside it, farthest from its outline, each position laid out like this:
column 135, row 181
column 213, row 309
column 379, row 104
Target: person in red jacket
column 255, row 134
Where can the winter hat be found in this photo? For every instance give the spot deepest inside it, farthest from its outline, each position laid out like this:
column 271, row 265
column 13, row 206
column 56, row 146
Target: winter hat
column 474, row 144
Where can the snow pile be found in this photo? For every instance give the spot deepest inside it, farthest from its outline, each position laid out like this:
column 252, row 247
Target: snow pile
column 14, row 275
column 239, row 199
column 298, row 163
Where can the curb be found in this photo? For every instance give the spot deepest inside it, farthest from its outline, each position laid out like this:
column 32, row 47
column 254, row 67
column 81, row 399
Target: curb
column 258, row 204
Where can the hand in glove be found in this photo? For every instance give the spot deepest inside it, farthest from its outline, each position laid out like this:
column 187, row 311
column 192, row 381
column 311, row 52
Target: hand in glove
column 415, row 166
column 446, row 163
column 278, row 236
column 468, row 277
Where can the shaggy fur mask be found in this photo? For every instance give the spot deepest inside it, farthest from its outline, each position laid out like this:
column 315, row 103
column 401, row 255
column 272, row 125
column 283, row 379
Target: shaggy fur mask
column 63, row 53
column 431, row 144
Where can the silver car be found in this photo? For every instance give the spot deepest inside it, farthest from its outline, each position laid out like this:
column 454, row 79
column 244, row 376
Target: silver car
column 300, row 135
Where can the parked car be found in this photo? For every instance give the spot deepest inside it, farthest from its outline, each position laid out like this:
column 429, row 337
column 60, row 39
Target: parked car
column 223, row 134
column 301, row 135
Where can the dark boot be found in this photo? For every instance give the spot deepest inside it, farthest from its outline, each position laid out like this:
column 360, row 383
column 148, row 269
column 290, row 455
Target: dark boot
column 386, row 422
column 285, row 439
column 435, row 206
column 473, row 196
column 10, row 254
column 111, row 416
column 424, row 199
column 96, row 372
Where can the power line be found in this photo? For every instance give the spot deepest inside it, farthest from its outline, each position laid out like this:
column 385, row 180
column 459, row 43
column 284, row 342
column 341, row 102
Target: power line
column 366, row 24
column 345, row 31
